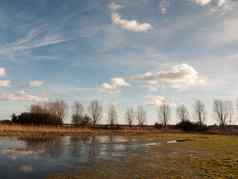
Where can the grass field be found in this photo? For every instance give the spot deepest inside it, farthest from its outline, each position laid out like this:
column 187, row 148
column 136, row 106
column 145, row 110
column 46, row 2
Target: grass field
column 199, row 156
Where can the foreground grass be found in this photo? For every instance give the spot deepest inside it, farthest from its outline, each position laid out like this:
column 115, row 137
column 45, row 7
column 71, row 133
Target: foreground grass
column 200, row 156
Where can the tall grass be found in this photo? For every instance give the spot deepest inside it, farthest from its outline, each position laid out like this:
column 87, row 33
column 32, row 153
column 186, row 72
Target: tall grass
column 18, row 130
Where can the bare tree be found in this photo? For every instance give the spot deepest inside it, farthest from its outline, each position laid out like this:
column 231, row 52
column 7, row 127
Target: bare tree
column 77, row 113
column 200, row 112
column 141, row 116
column 130, row 115
column 221, row 110
column 112, row 115
column 230, row 111
column 95, row 110
column 182, row 113
column 57, row 108
column 164, row 114
column 38, row 109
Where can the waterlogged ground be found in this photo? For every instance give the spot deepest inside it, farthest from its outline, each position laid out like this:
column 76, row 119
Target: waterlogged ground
column 119, row 156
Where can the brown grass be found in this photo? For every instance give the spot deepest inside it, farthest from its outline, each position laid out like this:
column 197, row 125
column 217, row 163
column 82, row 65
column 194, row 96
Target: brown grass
column 30, row 130
column 19, row 130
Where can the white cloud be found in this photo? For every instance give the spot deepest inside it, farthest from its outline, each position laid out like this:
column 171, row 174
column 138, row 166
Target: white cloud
column 158, row 101
column 218, row 3
column 3, row 72
column 202, row 2
column 4, row 83
column 22, row 96
column 179, row 76
column 114, row 6
column 164, row 6
column 221, row 2
column 130, row 25
column 114, row 86
column 36, row 83
column 182, row 76
column 226, row 32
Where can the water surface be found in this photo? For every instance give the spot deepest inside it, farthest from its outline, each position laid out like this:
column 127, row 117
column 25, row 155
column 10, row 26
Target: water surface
column 27, row 158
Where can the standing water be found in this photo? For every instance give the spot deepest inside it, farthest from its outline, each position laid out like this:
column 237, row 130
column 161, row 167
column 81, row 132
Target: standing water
column 33, row 158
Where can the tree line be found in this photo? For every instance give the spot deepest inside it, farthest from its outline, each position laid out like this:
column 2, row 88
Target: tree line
column 48, row 113
column 53, row 113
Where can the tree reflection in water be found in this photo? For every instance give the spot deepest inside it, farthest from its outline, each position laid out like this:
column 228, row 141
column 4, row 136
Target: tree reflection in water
column 91, row 148
column 48, row 146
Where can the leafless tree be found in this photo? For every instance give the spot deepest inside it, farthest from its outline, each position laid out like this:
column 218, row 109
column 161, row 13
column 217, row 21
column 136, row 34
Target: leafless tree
column 141, row 116
column 200, row 112
column 77, row 113
column 57, row 108
column 221, row 109
column 164, row 114
column 230, row 111
column 182, row 113
column 38, row 108
column 112, row 115
column 130, row 115
column 95, row 110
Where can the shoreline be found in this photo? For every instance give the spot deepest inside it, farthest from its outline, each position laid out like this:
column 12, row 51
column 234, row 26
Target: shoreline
column 27, row 130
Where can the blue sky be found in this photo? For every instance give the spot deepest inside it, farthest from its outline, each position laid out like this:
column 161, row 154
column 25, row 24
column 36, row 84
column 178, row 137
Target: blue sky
column 128, row 53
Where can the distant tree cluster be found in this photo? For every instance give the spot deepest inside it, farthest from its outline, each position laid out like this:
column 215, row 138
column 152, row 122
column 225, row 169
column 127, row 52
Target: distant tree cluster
column 36, row 119
column 223, row 112
column 50, row 113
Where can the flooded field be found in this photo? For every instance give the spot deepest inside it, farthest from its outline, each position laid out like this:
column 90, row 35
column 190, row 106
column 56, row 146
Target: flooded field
column 119, row 156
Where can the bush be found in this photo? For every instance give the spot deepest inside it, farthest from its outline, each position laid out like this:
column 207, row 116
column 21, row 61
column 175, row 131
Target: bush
column 37, row 119
column 190, row 126
column 81, row 121
column 158, row 126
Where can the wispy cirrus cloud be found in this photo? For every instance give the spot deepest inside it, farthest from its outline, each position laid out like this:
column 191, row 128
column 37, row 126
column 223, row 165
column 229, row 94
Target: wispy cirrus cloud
column 158, row 101
column 114, row 6
column 4, row 83
column 36, row 83
column 35, row 38
column 22, row 96
column 130, row 25
column 226, row 32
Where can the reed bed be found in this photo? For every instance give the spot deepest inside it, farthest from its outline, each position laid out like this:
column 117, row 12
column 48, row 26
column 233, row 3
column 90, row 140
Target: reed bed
column 19, row 130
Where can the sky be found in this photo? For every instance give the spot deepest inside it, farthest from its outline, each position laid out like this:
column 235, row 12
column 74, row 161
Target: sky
column 121, row 52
